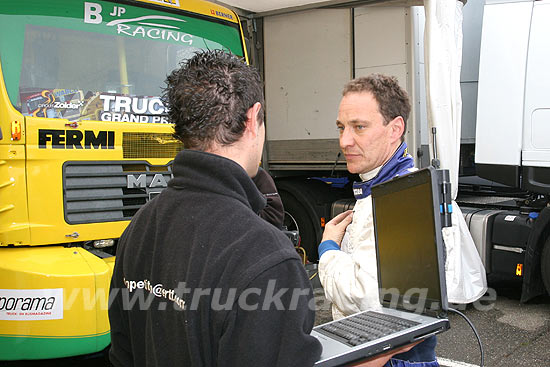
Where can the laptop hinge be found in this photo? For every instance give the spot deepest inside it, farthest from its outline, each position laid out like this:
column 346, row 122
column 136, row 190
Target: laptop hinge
column 433, row 311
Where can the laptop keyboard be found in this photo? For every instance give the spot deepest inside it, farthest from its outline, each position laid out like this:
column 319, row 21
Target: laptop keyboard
column 364, row 327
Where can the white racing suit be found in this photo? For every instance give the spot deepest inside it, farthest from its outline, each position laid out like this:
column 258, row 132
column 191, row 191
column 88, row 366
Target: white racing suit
column 349, row 275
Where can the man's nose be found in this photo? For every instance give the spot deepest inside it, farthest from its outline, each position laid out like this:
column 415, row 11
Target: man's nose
column 346, row 138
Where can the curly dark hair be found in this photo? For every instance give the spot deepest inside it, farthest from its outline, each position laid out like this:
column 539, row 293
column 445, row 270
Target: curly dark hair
column 393, row 101
column 208, row 96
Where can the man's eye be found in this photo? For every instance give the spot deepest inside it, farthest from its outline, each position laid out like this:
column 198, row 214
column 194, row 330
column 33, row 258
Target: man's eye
column 340, row 129
column 360, row 127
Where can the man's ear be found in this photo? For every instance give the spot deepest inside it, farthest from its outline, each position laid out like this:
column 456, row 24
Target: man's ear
column 252, row 118
column 397, row 128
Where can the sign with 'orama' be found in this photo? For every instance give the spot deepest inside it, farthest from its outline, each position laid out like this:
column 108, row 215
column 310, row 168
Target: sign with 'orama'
column 31, row 304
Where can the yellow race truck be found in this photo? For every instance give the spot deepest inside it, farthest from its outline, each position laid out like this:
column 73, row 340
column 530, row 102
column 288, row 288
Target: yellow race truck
column 84, row 143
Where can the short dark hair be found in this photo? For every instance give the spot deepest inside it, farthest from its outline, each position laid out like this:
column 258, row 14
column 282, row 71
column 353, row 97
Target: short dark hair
column 393, row 101
column 208, row 97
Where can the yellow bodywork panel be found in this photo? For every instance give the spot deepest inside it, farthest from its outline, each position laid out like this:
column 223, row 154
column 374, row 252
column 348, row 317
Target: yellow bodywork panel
column 45, row 165
column 83, row 278
column 14, row 227
column 199, row 7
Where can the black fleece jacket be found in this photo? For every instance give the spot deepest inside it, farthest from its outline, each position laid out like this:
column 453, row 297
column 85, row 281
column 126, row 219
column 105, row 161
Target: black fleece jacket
column 201, row 280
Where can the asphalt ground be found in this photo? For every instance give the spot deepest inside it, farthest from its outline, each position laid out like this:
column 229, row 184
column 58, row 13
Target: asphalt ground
column 511, row 333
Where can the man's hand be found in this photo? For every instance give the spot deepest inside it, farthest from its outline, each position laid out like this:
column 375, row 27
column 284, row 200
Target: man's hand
column 336, row 227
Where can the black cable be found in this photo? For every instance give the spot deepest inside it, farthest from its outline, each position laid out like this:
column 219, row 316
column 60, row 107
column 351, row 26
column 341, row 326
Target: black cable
column 335, row 163
column 475, row 332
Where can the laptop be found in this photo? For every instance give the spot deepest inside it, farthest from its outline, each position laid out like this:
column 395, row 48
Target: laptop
column 409, row 212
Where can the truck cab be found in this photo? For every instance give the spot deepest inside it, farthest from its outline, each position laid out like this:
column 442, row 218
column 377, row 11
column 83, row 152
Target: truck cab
column 84, row 143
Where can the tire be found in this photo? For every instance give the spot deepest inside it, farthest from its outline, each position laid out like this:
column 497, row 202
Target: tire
column 297, row 218
column 545, row 265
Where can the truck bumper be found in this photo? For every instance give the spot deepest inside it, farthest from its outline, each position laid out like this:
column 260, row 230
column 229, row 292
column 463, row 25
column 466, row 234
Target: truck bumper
column 53, row 302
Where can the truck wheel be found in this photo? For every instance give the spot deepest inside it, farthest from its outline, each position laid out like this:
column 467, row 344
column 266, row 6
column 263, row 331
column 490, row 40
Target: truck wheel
column 545, row 265
column 297, row 218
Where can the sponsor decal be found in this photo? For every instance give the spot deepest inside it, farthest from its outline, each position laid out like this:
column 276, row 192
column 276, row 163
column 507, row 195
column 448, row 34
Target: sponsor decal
column 53, row 103
column 221, row 14
column 153, row 27
column 75, row 139
column 132, row 109
column 31, row 304
column 71, row 105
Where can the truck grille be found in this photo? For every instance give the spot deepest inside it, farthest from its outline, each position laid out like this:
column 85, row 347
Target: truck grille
column 111, row 191
column 147, row 145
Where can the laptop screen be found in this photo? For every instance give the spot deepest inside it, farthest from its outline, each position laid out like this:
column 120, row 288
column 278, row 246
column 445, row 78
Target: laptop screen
column 406, row 227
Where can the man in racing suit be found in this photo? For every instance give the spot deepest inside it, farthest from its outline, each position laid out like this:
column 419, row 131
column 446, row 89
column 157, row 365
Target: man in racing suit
column 371, row 120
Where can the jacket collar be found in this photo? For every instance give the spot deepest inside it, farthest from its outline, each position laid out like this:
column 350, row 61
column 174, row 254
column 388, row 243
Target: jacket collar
column 202, row 171
column 397, row 165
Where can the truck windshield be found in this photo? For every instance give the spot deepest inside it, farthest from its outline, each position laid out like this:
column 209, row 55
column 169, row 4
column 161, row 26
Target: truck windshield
column 80, row 60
